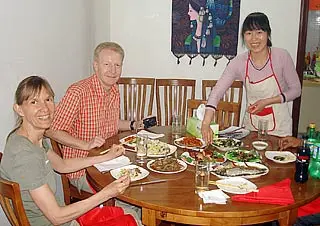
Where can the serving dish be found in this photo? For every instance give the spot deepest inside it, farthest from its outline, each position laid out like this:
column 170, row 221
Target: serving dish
column 281, row 156
column 135, row 172
column 226, row 144
column 167, row 165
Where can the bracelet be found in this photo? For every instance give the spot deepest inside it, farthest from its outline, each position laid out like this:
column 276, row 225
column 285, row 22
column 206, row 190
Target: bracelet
column 131, row 124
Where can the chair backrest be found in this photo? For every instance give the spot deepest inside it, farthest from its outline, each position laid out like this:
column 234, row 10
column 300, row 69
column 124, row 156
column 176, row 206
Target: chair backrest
column 136, row 95
column 11, row 202
column 171, row 98
column 233, row 94
column 226, row 115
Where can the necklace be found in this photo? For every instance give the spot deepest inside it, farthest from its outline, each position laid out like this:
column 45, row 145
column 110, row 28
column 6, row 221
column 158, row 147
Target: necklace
column 259, row 69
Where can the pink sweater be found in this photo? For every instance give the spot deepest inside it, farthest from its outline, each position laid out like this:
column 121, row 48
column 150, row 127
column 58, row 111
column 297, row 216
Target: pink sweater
column 283, row 67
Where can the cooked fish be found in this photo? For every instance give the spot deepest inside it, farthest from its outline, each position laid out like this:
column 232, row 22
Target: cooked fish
column 232, row 170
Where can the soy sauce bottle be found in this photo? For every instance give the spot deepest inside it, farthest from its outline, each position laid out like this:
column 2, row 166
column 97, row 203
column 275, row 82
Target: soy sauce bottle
column 301, row 174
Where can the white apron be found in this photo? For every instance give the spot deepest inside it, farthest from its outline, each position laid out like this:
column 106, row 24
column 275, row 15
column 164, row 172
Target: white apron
column 278, row 115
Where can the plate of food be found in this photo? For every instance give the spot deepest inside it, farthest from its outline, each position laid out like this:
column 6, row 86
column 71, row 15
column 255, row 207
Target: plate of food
column 135, row 172
column 167, row 165
column 129, row 140
column 281, row 156
column 241, row 155
column 214, row 157
column 240, row 169
column 226, row 144
column 236, row 185
column 189, row 142
column 158, row 148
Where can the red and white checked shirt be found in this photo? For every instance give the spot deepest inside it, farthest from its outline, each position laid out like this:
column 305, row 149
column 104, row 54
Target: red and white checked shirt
column 87, row 110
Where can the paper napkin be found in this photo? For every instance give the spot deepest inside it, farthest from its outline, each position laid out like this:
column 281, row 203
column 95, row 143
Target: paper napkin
column 113, row 164
column 214, row 196
column 150, row 135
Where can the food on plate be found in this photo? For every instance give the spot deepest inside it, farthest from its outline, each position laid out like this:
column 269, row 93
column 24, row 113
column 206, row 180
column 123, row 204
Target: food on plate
column 260, row 145
column 279, row 158
column 242, row 156
column 226, row 142
column 130, row 139
column 230, row 169
column 156, row 147
column 133, row 172
column 166, row 165
column 211, row 156
column 190, row 142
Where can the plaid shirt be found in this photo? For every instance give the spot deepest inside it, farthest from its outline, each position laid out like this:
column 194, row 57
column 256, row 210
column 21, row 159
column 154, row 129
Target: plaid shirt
column 86, row 111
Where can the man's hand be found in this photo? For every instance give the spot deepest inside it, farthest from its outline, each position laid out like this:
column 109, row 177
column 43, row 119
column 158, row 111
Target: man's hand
column 115, row 151
column 95, row 142
column 287, row 142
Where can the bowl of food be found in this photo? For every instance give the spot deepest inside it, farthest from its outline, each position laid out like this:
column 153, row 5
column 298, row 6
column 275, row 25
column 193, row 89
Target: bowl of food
column 260, row 145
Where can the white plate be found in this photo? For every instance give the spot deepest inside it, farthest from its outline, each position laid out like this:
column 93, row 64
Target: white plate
column 236, row 185
column 288, row 156
column 222, row 139
column 185, row 156
column 156, row 155
column 123, row 141
column 176, row 142
column 260, row 145
column 116, row 173
column 182, row 163
column 240, row 133
column 242, row 164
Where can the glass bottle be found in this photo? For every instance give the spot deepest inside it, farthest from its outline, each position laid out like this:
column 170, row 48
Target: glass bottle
column 304, row 151
column 301, row 174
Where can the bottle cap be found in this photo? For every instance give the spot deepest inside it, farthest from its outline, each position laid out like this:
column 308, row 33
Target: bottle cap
column 312, row 125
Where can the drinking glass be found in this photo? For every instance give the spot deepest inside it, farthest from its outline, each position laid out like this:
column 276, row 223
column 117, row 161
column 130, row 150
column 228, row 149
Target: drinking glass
column 262, row 129
column 176, row 125
column 202, row 175
column 141, row 147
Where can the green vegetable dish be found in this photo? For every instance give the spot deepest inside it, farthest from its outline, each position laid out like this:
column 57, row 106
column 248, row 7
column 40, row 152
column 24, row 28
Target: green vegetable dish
column 242, row 156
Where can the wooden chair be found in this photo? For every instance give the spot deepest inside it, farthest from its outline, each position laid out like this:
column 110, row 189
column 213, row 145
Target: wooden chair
column 226, row 115
column 11, row 202
column 233, row 94
column 137, row 96
column 171, row 98
column 71, row 193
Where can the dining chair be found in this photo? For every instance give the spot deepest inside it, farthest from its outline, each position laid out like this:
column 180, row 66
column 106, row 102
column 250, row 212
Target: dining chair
column 171, row 98
column 11, row 202
column 233, row 94
column 226, row 115
column 71, row 193
column 136, row 95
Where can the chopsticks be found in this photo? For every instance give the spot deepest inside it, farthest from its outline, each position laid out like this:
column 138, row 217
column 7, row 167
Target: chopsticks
column 240, row 186
column 126, row 149
column 148, row 182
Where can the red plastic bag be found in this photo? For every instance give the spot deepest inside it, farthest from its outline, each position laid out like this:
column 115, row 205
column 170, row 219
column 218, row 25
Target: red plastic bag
column 106, row 215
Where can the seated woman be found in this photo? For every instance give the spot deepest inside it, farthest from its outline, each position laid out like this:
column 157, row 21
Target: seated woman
column 29, row 161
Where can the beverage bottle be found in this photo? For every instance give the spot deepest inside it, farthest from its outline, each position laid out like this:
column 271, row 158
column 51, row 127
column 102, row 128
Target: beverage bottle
column 311, row 132
column 301, row 174
column 314, row 167
column 304, row 151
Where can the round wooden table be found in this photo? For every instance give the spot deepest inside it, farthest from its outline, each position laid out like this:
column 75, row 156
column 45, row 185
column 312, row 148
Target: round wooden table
column 176, row 201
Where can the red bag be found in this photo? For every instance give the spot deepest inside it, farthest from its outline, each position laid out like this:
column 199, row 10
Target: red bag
column 106, row 215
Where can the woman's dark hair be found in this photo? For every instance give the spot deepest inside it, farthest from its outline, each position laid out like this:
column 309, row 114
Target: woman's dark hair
column 257, row 21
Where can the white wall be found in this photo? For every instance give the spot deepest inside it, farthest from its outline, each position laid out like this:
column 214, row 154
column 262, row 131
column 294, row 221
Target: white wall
column 43, row 37
column 143, row 28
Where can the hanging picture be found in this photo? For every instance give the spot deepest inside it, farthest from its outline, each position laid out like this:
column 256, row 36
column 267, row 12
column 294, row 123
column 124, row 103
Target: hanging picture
column 205, row 28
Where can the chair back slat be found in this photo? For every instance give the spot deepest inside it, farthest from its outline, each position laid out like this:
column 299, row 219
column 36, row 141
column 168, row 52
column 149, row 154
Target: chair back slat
column 171, row 98
column 136, row 97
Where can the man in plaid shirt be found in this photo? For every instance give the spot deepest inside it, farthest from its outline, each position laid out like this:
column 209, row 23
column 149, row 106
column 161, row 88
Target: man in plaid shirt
column 89, row 112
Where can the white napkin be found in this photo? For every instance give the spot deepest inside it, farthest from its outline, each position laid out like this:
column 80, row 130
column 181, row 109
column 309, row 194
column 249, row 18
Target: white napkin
column 150, row 135
column 214, row 196
column 200, row 111
column 113, row 164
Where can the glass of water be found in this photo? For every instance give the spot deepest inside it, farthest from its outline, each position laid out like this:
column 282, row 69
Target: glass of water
column 202, row 175
column 142, row 147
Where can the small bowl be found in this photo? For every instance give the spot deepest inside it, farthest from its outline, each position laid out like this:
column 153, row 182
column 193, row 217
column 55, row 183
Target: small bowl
column 260, row 145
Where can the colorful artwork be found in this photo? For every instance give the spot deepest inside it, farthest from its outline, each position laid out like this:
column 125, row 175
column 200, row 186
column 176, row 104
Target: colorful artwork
column 205, row 28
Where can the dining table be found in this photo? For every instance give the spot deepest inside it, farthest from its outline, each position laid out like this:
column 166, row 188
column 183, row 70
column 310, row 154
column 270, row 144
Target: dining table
column 176, row 200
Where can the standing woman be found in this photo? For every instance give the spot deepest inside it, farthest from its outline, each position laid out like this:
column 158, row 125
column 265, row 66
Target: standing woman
column 269, row 76
column 28, row 160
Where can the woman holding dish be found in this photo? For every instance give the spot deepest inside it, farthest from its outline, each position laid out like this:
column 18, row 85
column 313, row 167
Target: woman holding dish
column 269, row 76
column 28, row 160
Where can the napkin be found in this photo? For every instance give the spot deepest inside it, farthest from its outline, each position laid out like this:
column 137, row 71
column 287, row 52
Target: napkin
column 278, row 193
column 113, row 164
column 214, row 196
column 150, row 135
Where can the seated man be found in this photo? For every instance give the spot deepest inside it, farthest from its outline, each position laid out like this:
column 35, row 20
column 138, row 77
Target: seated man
column 28, row 160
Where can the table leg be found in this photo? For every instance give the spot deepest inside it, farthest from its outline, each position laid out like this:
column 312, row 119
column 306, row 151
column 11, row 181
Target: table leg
column 149, row 217
column 288, row 217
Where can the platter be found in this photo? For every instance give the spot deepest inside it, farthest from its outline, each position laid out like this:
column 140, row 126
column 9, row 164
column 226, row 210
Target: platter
column 280, row 156
column 234, row 132
column 236, row 185
column 135, row 172
column 213, row 156
column 158, row 148
column 226, row 144
column 129, row 141
column 169, row 165
column 240, row 169
column 189, row 142
column 242, row 156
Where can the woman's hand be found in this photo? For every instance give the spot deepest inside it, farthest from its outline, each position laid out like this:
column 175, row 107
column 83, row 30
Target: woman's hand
column 206, row 132
column 118, row 186
column 95, row 142
column 257, row 106
column 287, row 142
